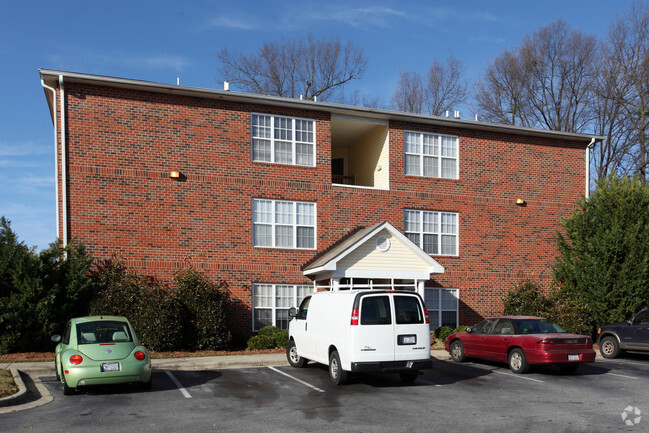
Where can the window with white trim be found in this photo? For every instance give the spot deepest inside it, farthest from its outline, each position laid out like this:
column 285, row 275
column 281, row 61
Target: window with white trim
column 442, row 305
column 283, row 224
column 271, row 303
column 431, row 155
column 283, row 140
column 434, row 232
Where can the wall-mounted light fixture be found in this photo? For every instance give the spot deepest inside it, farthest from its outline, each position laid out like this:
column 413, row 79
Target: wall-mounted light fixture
column 520, row 202
column 174, row 174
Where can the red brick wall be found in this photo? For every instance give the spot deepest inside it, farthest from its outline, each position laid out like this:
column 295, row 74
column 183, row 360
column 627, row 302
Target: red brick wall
column 122, row 145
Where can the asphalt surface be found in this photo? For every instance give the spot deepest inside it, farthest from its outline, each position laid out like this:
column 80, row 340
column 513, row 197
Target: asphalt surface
column 33, row 393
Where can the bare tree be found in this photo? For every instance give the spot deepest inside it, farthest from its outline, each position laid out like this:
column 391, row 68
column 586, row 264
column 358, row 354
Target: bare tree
column 609, row 118
column 443, row 89
column 560, row 70
column 446, row 89
column 501, row 96
column 311, row 67
column 629, row 45
column 409, row 96
column 546, row 82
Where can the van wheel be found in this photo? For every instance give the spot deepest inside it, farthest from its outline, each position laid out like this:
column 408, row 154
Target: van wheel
column 408, row 376
column 336, row 372
column 293, row 358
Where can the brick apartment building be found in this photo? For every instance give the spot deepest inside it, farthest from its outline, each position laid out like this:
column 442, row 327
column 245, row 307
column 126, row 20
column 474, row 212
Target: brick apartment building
column 278, row 197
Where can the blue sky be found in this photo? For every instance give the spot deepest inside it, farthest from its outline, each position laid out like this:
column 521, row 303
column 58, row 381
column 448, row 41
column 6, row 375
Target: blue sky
column 162, row 40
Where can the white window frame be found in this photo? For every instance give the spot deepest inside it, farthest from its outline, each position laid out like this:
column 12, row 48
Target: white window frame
column 438, row 229
column 440, row 307
column 438, row 154
column 276, row 220
column 274, row 141
column 296, row 299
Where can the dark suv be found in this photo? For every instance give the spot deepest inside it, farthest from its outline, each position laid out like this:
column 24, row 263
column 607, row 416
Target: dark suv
column 631, row 335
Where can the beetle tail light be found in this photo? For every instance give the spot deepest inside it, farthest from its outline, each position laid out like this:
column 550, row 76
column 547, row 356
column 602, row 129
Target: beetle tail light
column 76, row 359
column 354, row 316
column 139, row 355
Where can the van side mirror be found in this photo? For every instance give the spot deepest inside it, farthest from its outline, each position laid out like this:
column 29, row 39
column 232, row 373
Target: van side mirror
column 56, row 338
column 292, row 312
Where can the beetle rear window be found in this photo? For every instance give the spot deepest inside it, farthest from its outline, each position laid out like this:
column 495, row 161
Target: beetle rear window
column 103, row 332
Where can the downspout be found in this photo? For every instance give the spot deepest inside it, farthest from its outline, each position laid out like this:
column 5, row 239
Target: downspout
column 56, row 153
column 64, row 165
column 591, row 144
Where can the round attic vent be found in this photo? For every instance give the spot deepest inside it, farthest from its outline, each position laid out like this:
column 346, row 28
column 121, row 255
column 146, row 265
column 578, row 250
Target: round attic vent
column 382, row 244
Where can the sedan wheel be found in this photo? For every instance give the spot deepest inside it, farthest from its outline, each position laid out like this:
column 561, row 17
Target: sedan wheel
column 457, row 351
column 517, row 361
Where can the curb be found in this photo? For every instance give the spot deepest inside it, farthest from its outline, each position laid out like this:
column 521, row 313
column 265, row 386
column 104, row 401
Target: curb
column 18, row 397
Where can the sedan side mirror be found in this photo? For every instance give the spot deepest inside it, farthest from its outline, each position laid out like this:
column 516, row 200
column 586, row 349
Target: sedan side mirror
column 56, row 338
column 469, row 330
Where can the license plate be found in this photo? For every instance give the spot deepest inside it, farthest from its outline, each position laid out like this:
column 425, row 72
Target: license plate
column 110, row 366
column 573, row 357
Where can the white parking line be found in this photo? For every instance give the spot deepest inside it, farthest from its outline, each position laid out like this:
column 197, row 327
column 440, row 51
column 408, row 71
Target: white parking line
column 516, row 376
column 181, row 388
column 296, row 379
column 621, row 375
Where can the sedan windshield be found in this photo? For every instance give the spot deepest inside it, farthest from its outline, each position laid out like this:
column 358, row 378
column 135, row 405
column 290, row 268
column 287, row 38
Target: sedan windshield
column 536, row 326
column 103, row 332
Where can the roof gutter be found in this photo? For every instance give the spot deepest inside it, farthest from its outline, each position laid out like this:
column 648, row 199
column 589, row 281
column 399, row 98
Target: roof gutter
column 56, row 159
column 591, row 144
column 249, row 98
column 64, row 165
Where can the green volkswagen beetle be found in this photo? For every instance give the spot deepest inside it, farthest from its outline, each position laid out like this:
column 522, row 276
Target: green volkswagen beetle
column 100, row 350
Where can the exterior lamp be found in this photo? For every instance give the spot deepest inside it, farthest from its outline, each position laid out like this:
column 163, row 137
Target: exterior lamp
column 174, row 174
column 520, row 202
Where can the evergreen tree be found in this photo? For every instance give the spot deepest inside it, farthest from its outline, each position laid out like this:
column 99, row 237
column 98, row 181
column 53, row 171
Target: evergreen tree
column 604, row 250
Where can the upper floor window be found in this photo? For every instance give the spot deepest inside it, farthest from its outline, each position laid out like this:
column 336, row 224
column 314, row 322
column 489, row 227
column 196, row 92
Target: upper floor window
column 283, row 140
column 283, row 224
column 434, row 232
column 431, row 155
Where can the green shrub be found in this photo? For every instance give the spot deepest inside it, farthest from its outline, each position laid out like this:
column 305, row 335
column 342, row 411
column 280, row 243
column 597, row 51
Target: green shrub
column 442, row 332
column 461, row 328
column 153, row 309
column 205, row 307
column 39, row 293
column 269, row 337
column 529, row 299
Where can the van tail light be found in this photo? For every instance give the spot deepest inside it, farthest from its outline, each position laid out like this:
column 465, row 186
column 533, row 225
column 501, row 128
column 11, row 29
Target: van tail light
column 426, row 316
column 76, row 359
column 354, row 316
column 139, row 355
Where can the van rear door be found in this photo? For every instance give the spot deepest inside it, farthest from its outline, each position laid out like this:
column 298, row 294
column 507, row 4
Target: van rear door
column 373, row 335
column 411, row 330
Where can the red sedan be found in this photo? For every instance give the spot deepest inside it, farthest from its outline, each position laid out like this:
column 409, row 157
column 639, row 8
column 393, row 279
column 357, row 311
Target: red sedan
column 521, row 341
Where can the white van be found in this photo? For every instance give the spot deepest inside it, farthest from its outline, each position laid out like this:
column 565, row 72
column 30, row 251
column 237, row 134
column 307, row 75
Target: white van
column 361, row 331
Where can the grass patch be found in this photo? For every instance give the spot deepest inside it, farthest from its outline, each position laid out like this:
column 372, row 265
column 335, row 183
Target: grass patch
column 7, row 385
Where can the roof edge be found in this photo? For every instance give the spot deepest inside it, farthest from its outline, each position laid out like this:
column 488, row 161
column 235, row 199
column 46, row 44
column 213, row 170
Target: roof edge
column 52, row 76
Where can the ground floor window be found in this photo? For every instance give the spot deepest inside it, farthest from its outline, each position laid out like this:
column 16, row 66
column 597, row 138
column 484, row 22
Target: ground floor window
column 271, row 303
column 442, row 305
